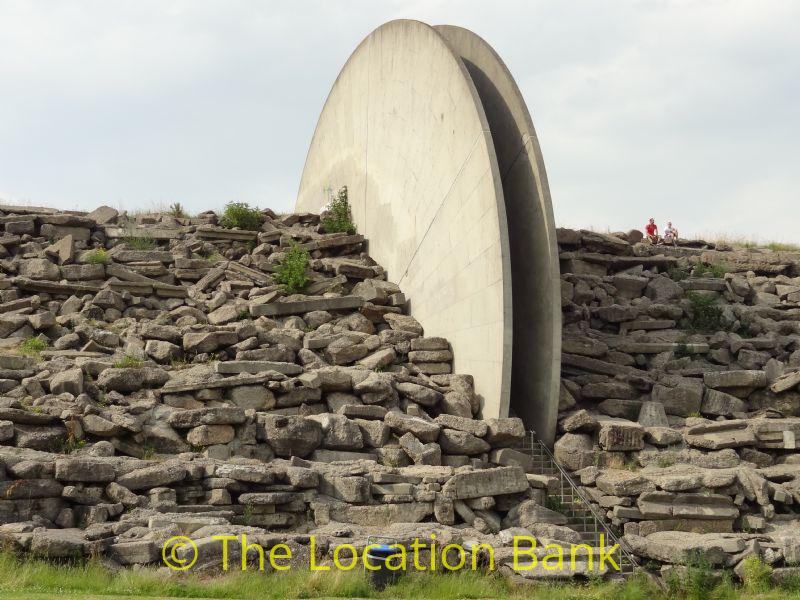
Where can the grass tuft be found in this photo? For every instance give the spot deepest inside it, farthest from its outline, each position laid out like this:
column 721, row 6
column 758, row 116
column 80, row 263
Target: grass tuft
column 128, row 362
column 176, row 210
column 36, row 579
column 714, row 270
column 139, row 241
column 33, row 346
column 98, row 256
column 242, row 216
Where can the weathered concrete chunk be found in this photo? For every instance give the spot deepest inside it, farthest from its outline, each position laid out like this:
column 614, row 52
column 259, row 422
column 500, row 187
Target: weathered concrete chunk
column 735, row 379
column 290, row 436
column 425, row 431
column 137, row 552
column 682, row 397
column 718, row 403
column 59, row 543
column 487, row 482
column 419, row 393
column 505, row 432
column 208, row 341
column 574, row 451
column 6, row 431
column 84, row 469
column 207, row 435
column 652, row 414
column 453, row 441
column 26, row 489
column 339, row 432
column 476, row 428
column 269, row 498
column 403, row 323
column 123, row 495
column 154, row 476
column 419, row 452
column 232, row 367
column 103, row 214
column 219, row 415
column 131, row 379
column 623, row 483
column 69, row 381
column 621, row 436
column 162, row 352
column 718, row 435
column 246, row 473
column 39, row 268
column 303, row 306
column 62, row 250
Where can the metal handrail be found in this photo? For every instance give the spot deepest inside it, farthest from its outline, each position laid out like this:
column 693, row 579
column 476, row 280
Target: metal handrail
column 597, row 517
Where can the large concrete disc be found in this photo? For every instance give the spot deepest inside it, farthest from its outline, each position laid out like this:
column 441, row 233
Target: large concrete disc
column 536, row 294
column 403, row 128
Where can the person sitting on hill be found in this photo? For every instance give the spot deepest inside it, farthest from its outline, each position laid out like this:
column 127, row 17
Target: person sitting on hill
column 670, row 234
column 651, row 230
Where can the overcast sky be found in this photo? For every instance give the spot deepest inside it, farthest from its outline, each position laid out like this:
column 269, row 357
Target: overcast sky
column 681, row 110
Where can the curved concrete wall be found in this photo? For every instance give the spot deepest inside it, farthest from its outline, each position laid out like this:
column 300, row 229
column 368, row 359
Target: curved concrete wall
column 405, row 128
column 536, row 358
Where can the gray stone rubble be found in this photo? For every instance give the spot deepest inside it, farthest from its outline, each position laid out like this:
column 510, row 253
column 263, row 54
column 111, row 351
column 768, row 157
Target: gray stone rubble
column 182, row 391
column 685, row 438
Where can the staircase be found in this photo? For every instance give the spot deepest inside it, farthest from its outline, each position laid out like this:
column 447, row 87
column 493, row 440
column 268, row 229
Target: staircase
column 569, row 500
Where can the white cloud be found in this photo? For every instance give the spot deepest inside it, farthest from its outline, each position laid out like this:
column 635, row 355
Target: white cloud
column 683, row 110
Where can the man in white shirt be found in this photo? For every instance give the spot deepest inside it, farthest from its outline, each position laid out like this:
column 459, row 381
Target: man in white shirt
column 670, row 234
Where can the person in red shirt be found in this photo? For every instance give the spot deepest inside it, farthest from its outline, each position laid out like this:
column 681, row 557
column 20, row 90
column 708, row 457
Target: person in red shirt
column 652, row 231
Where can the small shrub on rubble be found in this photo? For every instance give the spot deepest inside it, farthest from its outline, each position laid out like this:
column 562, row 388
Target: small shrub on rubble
column 336, row 218
column 242, row 216
column 292, row 270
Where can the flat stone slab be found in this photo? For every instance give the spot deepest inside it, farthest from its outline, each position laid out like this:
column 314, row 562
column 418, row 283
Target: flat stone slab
column 785, row 382
column 659, row 347
column 72, row 354
column 219, row 383
column 304, row 306
column 209, row 232
column 256, row 366
column 154, row 233
column 51, row 287
column 333, row 242
column 134, row 287
column 128, row 256
column 248, row 272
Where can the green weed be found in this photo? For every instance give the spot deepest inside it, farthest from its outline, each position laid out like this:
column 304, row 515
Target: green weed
column 177, row 211
column 128, row 362
column 337, row 218
column 98, row 256
column 715, row 270
column 757, row 575
column 139, row 240
column 242, row 216
column 705, row 314
column 291, row 272
column 33, row 346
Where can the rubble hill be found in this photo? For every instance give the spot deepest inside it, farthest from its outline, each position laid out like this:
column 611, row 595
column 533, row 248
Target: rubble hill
column 156, row 380
column 679, row 411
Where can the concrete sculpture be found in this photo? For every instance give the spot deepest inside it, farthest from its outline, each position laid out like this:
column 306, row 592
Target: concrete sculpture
column 431, row 136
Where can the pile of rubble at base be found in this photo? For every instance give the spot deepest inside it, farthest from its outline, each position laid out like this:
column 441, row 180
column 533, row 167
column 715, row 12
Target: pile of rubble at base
column 156, row 381
column 680, row 407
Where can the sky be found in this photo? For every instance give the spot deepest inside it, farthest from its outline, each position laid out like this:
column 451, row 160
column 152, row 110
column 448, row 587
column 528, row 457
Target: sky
column 681, row 110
